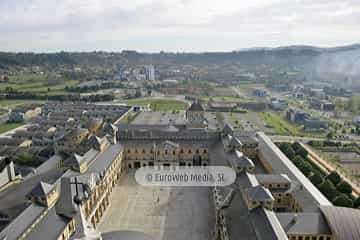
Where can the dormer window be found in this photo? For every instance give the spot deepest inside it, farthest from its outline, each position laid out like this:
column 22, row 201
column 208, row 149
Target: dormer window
column 43, row 194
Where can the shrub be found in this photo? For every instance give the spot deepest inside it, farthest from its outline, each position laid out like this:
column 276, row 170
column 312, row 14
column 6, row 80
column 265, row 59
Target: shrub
column 356, row 203
column 298, row 160
column 290, row 153
column 344, row 187
column 328, row 189
column 283, row 146
column 316, row 178
column 316, row 144
column 306, row 168
column 334, row 177
column 27, row 159
column 343, row 200
column 302, row 152
column 296, row 146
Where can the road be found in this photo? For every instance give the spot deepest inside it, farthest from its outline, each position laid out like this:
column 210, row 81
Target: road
column 278, row 138
column 240, row 93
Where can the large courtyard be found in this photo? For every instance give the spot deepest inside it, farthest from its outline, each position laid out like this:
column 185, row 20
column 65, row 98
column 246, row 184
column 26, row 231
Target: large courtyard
column 165, row 213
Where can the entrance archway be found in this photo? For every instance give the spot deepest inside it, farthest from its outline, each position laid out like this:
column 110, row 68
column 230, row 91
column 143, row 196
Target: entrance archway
column 197, row 160
column 137, row 165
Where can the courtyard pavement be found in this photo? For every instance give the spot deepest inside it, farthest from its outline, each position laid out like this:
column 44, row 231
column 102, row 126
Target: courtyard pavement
column 165, row 213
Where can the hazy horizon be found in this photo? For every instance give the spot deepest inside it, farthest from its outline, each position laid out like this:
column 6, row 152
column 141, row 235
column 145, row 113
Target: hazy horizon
column 175, row 25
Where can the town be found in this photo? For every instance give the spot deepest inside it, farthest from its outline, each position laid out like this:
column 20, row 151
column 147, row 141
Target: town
column 179, row 120
column 68, row 172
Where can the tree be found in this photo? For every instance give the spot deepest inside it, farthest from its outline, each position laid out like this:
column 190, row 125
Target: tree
column 296, row 146
column 353, row 104
column 343, row 200
column 302, row 152
column 289, row 152
column 334, row 177
column 356, row 203
column 316, row 178
column 339, row 107
column 306, row 168
column 344, row 187
column 298, row 160
column 283, row 146
column 330, row 135
column 328, row 189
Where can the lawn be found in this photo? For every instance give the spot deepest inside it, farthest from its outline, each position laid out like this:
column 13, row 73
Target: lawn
column 223, row 91
column 281, row 126
column 8, row 126
column 37, row 83
column 157, row 104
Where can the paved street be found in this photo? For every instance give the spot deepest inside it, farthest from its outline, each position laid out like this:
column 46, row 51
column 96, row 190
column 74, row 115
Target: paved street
column 278, row 138
column 165, row 213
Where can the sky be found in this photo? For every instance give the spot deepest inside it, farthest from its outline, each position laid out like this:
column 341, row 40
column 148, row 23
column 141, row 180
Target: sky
column 175, row 25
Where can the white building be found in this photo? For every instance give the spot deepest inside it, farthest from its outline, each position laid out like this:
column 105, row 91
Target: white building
column 150, row 72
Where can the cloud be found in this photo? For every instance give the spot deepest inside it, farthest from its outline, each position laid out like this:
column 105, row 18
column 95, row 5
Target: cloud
column 50, row 25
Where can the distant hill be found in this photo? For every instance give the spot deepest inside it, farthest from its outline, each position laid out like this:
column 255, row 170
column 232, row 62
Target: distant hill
column 302, row 58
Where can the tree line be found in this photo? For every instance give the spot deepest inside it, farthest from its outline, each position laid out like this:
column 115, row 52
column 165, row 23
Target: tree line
column 334, row 188
column 93, row 88
column 15, row 94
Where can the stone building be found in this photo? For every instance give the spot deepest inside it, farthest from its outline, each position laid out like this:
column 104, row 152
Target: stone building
column 195, row 115
column 50, row 209
column 7, row 172
column 165, row 153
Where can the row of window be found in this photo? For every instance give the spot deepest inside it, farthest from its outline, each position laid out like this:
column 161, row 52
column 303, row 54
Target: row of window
column 197, row 151
column 309, row 237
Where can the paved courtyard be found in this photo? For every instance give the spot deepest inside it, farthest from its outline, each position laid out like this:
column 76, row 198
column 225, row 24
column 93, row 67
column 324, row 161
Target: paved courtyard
column 165, row 117
column 165, row 213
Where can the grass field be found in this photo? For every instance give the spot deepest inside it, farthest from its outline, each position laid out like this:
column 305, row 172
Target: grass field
column 38, row 83
column 281, row 126
column 224, row 91
column 157, row 104
column 8, row 103
column 8, row 126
